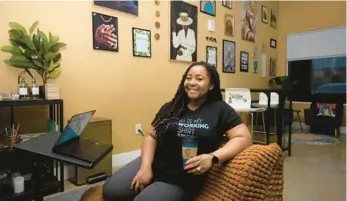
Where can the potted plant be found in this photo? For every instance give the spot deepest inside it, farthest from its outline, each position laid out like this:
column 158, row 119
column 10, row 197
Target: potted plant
column 33, row 49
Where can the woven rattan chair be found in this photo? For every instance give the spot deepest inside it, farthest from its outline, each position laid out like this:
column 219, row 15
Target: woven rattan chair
column 256, row 174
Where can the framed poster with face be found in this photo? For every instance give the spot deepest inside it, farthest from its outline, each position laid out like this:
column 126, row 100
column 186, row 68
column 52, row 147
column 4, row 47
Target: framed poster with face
column 183, row 31
column 105, row 32
column 211, row 55
column 141, row 43
column 244, row 61
column 228, row 56
column 229, row 24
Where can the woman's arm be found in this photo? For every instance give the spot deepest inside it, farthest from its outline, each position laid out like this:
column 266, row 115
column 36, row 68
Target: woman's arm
column 239, row 139
column 147, row 149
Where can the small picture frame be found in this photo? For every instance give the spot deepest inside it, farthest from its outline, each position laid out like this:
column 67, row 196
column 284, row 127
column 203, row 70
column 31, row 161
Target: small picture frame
column 208, row 7
column 141, row 42
column 272, row 67
column 228, row 56
column 244, row 61
column 273, row 43
column 229, row 25
column 227, row 4
column 264, row 14
column 211, row 55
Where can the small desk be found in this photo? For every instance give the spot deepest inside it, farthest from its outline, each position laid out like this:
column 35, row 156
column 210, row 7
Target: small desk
column 43, row 146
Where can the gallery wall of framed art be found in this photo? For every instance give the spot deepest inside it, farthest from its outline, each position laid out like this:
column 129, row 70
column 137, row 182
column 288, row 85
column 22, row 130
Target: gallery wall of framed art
column 122, row 48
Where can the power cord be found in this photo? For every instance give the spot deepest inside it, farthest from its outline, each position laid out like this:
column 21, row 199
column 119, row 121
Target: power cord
column 140, row 132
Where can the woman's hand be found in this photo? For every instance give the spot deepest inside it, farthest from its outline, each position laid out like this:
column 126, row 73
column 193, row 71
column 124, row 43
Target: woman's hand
column 141, row 179
column 199, row 164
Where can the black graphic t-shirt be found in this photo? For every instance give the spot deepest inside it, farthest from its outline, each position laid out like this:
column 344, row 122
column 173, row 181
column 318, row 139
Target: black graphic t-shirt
column 208, row 124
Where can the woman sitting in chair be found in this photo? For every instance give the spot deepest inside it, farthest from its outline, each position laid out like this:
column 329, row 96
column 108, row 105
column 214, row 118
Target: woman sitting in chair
column 196, row 112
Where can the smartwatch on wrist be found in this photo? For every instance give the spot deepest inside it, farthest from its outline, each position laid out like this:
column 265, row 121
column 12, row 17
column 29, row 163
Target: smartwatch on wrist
column 215, row 159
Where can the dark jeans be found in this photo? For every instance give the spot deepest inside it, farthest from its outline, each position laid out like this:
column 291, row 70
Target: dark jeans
column 117, row 187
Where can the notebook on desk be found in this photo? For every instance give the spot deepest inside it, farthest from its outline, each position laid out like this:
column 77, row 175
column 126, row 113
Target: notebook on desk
column 70, row 143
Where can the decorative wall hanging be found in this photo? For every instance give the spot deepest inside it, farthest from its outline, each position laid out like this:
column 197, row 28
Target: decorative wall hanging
column 228, row 56
column 157, row 25
column 183, row 18
column 273, row 43
column 255, row 66
column 157, row 2
column 157, row 13
column 211, row 39
column 264, row 14
column 249, row 21
column 244, row 61
column 229, row 24
column 157, row 36
column 211, row 55
column 272, row 67
column 227, row 4
column 130, row 7
column 273, row 21
column 208, row 7
column 255, row 52
column 142, row 42
column 105, row 32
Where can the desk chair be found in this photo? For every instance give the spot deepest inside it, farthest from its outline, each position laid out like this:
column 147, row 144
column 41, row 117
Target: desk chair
column 240, row 99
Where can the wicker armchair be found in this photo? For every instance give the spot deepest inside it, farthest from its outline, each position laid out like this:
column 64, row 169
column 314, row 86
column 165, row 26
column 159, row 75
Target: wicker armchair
column 256, row 174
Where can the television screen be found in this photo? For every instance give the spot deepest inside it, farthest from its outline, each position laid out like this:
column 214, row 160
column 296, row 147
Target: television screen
column 328, row 75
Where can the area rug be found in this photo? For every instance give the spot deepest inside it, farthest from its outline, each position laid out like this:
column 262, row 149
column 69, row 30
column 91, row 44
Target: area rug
column 314, row 139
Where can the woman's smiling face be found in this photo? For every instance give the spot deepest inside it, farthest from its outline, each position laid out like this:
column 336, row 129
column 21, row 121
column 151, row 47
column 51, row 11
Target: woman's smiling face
column 197, row 83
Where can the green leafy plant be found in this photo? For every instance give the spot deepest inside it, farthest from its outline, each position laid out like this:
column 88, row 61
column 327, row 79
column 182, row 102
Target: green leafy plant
column 279, row 80
column 34, row 50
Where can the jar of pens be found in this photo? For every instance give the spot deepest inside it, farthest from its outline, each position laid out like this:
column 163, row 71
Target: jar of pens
column 9, row 135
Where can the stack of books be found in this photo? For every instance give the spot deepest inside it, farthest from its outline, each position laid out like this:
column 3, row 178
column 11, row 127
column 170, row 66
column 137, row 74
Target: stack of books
column 52, row 92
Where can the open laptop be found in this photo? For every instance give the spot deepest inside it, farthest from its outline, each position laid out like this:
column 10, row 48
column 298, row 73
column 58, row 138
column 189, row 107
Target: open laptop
column 70, row 143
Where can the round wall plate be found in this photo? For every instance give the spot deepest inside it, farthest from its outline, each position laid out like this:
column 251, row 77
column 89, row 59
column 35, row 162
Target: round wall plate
column 157, row 2
column 156, row 36
column 157, row 25
column 157, row 13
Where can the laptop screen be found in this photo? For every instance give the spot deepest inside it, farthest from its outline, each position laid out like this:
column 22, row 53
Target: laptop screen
column 75, row 127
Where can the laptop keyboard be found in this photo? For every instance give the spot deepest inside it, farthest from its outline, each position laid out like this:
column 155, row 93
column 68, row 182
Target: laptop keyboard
column 77, row 146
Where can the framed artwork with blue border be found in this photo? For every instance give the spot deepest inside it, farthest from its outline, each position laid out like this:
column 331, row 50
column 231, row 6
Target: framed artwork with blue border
column 129, row 6
column 208, row 7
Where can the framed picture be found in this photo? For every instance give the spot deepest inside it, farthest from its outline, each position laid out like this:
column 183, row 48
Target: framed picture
column 264, row 14
column 249, row 20
column 273, row 43
column 105, row 32
column 244, row 61
column 141, row 43
column 227, row 4
column 208, row 7
column 272, row 67
column 229, row 24
column 131, row 7
column 273, row 21
column 228, row 56
column 211, row 55
column 183, row 31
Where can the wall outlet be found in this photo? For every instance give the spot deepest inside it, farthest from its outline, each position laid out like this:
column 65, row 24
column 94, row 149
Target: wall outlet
column 137, row 128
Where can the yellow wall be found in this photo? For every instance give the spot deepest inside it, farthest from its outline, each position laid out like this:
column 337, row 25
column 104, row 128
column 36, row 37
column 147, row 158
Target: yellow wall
column 302, row 16
column 126, row 89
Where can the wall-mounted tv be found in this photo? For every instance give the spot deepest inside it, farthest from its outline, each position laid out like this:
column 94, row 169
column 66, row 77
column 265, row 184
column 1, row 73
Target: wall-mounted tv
column 317, row 76
column 328, row 75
